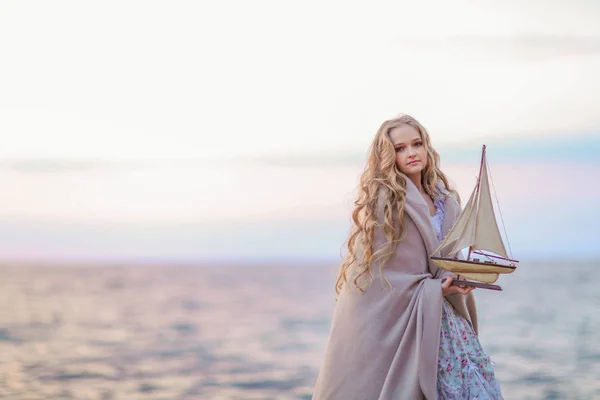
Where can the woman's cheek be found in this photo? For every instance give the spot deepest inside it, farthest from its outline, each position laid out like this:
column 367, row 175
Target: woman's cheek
column 399, row 159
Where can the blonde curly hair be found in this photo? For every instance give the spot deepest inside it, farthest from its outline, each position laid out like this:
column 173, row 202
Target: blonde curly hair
column 382, row 178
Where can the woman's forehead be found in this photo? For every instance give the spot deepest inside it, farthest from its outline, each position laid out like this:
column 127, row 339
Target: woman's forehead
column 404, row 134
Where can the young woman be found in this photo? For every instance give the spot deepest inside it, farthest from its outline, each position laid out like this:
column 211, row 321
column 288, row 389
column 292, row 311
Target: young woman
column 398, row 332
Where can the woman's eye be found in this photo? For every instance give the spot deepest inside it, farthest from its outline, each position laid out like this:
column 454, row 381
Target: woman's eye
column 419, row 144
column 399, row 149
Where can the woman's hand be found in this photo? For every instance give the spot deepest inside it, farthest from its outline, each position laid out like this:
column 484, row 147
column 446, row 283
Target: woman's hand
column 447, row 289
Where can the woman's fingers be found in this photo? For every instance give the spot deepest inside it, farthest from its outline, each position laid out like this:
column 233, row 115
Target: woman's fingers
column 447, row 282
column 465, row 289
column 450, row 289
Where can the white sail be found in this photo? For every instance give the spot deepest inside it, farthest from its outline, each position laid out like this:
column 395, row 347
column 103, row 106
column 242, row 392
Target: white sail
column 476, row 227
column 462, row 233
column 487, row 234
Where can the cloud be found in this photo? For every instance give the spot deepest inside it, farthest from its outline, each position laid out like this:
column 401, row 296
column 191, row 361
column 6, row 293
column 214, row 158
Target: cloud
column 530, row 46
column 515, row 147
column 50, row 166
column 564, row 147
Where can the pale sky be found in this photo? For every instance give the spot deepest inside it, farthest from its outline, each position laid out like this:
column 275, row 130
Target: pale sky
column 189, row 79
column 151, row 80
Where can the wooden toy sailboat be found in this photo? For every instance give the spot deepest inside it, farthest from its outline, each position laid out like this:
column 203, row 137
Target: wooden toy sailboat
column 477, row 229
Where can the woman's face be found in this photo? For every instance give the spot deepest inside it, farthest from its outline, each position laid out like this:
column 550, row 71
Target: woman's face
column 411, row 155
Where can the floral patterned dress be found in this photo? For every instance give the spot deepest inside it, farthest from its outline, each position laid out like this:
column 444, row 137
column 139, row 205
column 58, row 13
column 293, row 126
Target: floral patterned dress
column 464, row 371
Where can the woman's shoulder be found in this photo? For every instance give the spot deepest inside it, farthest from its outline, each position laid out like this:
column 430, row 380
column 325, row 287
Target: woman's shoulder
column 446, row 196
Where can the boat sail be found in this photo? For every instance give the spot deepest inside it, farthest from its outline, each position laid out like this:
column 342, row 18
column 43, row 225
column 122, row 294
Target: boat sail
column 477, row 229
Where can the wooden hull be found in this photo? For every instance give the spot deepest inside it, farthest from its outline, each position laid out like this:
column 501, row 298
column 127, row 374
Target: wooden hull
column 482, row 272
column 485, row 277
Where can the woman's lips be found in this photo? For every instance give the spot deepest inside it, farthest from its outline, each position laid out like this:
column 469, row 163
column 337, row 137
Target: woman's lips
column 413, row 162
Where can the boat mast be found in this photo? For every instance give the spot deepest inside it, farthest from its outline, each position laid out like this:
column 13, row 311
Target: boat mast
column 477, row 189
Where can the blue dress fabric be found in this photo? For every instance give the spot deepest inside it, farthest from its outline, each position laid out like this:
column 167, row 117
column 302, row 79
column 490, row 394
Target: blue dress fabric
column 464, row 370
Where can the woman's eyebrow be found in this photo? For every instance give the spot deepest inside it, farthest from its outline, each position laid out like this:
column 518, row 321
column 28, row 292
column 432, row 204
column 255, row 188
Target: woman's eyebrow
column 402, row 144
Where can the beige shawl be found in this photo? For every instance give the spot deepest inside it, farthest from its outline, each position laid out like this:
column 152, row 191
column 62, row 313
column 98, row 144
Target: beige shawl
column 383, row 343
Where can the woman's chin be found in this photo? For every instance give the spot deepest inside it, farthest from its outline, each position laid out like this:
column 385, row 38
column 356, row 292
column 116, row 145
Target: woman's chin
column 412, row 169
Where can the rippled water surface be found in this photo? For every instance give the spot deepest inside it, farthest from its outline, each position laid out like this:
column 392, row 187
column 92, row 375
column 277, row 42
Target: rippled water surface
column 259, row 331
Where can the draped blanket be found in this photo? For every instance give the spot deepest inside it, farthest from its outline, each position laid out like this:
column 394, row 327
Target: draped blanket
column 383, row 342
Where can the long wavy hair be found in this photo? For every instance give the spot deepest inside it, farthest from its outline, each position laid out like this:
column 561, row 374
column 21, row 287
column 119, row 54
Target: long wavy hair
column 382, row 178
